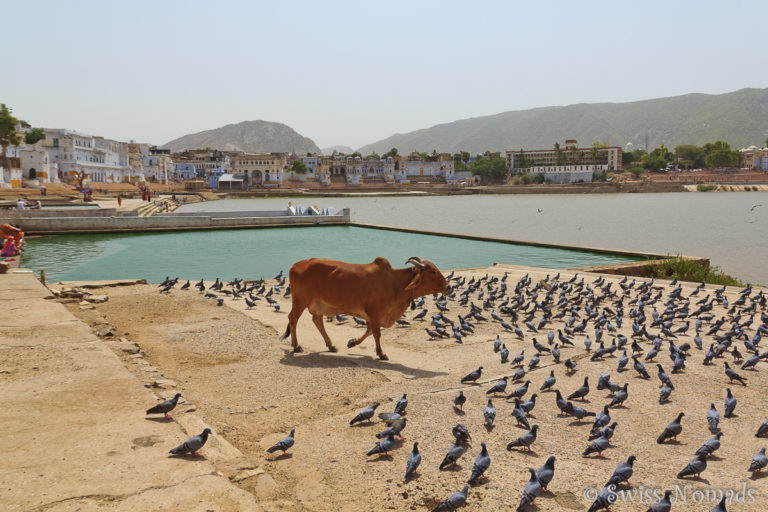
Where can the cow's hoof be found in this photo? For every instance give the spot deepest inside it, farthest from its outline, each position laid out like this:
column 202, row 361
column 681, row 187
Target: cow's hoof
column 332, row 349
column 297, row 349
column 351, row 343
column 383, row 357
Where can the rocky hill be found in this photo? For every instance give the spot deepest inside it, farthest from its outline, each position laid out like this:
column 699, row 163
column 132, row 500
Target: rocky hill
column 339, row 149
column 248, row 136
column 739, row 117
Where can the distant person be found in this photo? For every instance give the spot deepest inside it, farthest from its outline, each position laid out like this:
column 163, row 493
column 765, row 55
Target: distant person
column 43, row 191
column 38, row 205
column 20, row 204
column 119, row 200
column 9, row 249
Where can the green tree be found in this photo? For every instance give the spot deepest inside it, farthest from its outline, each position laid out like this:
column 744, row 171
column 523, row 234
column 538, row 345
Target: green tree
column 559, row 154
column 690, row 155
column 373, row 156
column 8, row 135
column 653, row 162
column 492, row 169
column 34, row 136
column 356, row 153
column 299, row 167
column 719, row 154
column 391, row 153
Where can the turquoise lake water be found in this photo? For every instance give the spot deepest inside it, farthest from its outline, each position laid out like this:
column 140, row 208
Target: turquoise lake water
column 255, row 253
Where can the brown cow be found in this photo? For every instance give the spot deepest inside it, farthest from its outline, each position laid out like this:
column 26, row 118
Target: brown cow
column 373, row 291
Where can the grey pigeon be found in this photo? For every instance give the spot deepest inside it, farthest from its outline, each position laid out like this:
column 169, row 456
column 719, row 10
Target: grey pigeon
column 504, row 354
column 623, row 360
column 391, row 418
column 720, row 507
column 402, row 404
column 713, row 418
column 395, row 430
column 530, row 492
column 414, row 459
column 454, row 501
column 672, row 430
column 759, row 461
column 602, row 381
column 546, row 473
column 571, row 365
column 732, row 375
column 365, row 415
column 165, row 407
column 621, row 396
column 577, row 412
column 663, row 505
column 482, row 463
column 762, row 430
column 710, row 446
column 473, row 376
column 518, row 358
column 489, row 413
column 499, row 387
column 623, row 472
column 519, row 374
column 193, row 444
column 598, row 446
column 529, row 404
column 461, row 432
column 382, row 447
column 549, row 381
column 606, row 432
column 561, row 403
column 454, row 453
column 284, row 444
column 520, row 391
column 640, row 368
column 730, row 403
column 524, row 441
column 459, row 400
column 664, row 393
column 664, row 377
column 581, row 392
column 695, row 467
column 520, row 415
column 605, row 499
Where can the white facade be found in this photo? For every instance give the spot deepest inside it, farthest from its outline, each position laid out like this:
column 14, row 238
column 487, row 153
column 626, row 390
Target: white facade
column 157, row 167
column 416, row 168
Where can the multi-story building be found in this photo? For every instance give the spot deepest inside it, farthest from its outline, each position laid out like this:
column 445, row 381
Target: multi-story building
column 10, row 169
column 205, row 160
column 261, row 169
column 413, row 166
column 67, row 155
column 565, row 164
column 158, row 165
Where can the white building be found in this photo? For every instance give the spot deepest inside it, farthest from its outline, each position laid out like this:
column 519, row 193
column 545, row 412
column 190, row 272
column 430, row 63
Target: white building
column 65, row 155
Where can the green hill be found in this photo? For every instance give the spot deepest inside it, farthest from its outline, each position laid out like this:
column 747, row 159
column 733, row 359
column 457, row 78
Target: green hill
column 739, row 117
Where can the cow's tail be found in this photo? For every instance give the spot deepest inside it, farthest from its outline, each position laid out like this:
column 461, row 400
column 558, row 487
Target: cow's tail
column 287, row 331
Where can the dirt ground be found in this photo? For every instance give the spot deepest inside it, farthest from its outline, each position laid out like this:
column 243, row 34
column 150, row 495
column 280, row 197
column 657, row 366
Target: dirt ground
column 244, row 381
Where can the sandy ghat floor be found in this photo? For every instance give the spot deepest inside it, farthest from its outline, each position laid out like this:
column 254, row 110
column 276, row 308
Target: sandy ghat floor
column 247, row 384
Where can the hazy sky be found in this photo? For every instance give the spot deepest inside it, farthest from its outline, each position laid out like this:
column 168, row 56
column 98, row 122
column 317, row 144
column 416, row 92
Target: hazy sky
column 353, row 73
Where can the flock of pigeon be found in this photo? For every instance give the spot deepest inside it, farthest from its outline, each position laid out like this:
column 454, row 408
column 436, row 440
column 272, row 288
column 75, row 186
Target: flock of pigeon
column 590, row 312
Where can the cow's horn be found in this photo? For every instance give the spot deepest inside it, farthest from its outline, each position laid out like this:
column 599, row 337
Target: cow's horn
column 416, row 262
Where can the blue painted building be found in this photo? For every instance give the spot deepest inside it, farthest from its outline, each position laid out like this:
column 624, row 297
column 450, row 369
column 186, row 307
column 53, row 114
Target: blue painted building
column 185, row 171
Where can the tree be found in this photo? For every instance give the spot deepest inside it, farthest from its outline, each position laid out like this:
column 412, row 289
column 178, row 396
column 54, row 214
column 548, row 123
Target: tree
column 8, row 135
column 559, row 154
column 493, row 168
column 654, row 162
column 34, row 136
column 299, row 167
column 391, row 153
column 356, row 153
column 691, row 155
column 719, row 154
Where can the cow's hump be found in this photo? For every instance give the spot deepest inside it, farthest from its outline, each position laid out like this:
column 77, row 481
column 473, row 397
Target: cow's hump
column 382, row 263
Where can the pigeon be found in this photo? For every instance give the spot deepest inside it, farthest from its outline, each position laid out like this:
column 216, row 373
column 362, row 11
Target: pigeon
column 577, row 412
column 462, row 432
column 520, row 391
column 193, row 444
column 713, row 418
column 520, row 415
column 598, row 446
column 606, row 432
column 459, row 400
column 732, row 375
column 602, row 419
column 165, row 407
column 759, row 461
column 640, row 368
column 664, row 377
column 605, row 499
column 549, row 381
column 695, row 467
column 401, row 404
column 454, row 454
column 394, row 430
column 382, row 447
column 663, row 505
column 546, row 473
column 414, row 459
column 762, row 430
column 530, row 492
column 529, row 404
column 524, row 441
column 672, row 430
column 710, row 446
column 454, row 501
column 581, row 392
column 504, row 353
column 482, row 462
column 623, row 472
column 730, row 404
column 473, row 376
column 284, row 444
column 499, row 387
column 570, row 364
column 720, row 507
column 664, row 393
column 562, row 403
column 496, row 343
column 518, row 358
column 489, row 413
column 365, row 415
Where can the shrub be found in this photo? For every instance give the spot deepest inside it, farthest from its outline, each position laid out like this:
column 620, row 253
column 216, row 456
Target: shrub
column 702, row 187
column 637, row 171
column 690, row 270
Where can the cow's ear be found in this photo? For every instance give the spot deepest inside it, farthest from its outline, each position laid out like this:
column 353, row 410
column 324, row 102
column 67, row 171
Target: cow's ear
column 416, row 281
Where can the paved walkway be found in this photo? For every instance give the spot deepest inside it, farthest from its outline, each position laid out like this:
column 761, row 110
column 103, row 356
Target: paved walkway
column 74, row 431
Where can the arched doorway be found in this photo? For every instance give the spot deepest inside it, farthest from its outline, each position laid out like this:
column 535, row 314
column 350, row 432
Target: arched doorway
column 256, row 177
column 32, row 173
